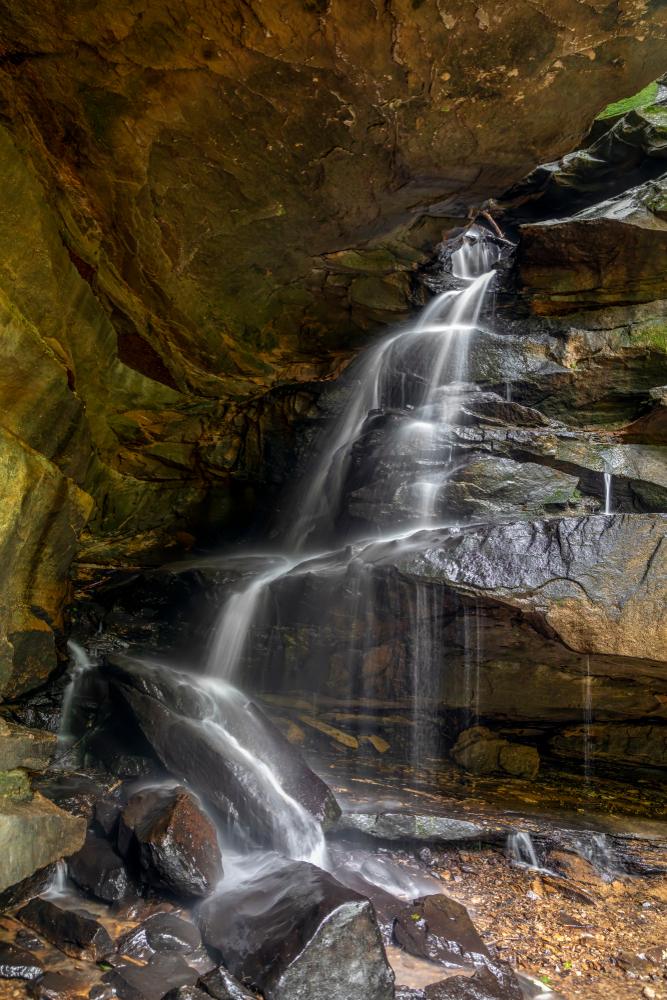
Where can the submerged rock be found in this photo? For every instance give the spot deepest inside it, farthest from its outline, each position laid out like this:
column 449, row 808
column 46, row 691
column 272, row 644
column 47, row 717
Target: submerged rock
column 152, row 981
column 75, row 932
column 299, row 934
column 171, row 840
column 440, row 929
column 16, row 963
column 99, row 869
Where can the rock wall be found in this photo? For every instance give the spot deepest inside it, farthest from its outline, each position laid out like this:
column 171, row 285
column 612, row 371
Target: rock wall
column 205, row 210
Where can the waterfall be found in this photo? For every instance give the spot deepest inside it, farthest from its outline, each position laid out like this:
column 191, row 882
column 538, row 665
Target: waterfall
column 607, row 492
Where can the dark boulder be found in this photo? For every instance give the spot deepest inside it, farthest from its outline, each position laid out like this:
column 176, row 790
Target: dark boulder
column 76, row 795
column 152, row 981
column 297, row 933
column 166, row 933
column 213, row 758
column 27, row 888
column 494, row 981
column 75, row 932
column 221, row 985
column 99, row 869
column 16, row 963
column 59, row 986
column 440, row 929
column 386, row 906
column 173, row 842
column 26, row 939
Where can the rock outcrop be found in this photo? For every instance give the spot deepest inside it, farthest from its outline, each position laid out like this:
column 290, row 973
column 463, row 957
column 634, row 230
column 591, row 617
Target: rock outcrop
column 202, row 220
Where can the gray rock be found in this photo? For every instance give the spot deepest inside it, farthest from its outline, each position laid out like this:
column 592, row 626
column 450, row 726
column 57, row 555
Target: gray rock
column 15, row 963
column 495, row 981
column 415, row 826
column 299, row 935
column 152, row 981
column 33, row 835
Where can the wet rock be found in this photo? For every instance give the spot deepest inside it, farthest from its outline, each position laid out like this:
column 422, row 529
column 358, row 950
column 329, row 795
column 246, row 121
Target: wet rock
column 592, row 582
column 657, row 954
column 29, row 748
column 152, row 981
column 27, row 889
column 185, row 993
column 59, row 986
column 168, row 709
column 25, row 939
column 118, row 761
column 495, row 981
column 386, row 906
column 75, row 932
column 440, row 929
column 610, row 254
column 521, row 761
column 408, row 993
column 296, row 932
column 415, row 826
column 99, row 869
column 222, row 985
column 76, row 795
column 165, row 933
column 15, row 963
column 173, row 842
column 33, row 835
column 107, row 814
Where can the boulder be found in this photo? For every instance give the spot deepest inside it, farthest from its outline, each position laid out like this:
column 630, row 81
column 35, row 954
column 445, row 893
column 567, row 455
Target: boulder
column 26, row 889
column 217, row 759
column 494, row 981
column 480, row 752
column 385, row 905
column 416, row 826
column 152, row 981
column 440, row 929
column 75, row 794
column 185, row 993
column 173, row 842
column 29, row 748
column 299, row 934
column 16, row 963
column 75, row 932
column 221, row 985
column 166, row 933
column 99, row 869
column 59, row 986
column 33, row 835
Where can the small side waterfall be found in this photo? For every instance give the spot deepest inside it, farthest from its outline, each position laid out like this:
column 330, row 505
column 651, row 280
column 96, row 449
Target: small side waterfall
column 607, row 492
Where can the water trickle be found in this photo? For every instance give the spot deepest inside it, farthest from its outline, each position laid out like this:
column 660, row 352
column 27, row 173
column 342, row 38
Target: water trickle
column 81, row 663
column 520, row 844
column 607, row 492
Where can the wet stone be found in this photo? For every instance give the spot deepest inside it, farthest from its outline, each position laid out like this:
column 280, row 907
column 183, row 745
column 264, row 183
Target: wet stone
column 186, row 993
column 166, row 933
column 221, row 985
column 296, row 931
column 27, row 888
column 16, row 963
column 75, row 932
column 171, row 840
column 152, row 981
column 440, row 929
column 25, row 939
column 77, row 796
column 495, row 981
column 386, row 906
column 99, row 869
column 107, row 814
column 58, row 986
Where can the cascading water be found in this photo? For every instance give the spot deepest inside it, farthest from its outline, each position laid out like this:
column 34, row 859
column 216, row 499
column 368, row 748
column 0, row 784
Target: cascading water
column 434, row 346
column 607, row 492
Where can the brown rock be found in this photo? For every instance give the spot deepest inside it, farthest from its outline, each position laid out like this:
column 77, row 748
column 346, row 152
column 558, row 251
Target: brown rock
column 58, row 986
column 172, row 840
column 35, row 834
column 440, row 929
column 76, row 932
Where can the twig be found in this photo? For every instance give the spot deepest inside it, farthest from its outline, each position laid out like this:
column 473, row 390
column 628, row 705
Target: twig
column 487, row 215
column 73, row 747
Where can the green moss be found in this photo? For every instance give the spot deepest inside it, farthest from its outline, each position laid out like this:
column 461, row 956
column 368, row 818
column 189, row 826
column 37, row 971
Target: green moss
column 640, row 100
column 14, row 787
column 654, row 336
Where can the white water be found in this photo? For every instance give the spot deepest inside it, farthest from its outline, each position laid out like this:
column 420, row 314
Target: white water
column 607, row 492
column 441, row 331
column 521, row 845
